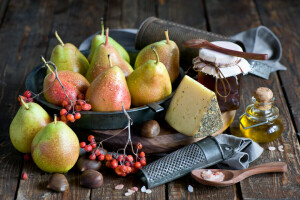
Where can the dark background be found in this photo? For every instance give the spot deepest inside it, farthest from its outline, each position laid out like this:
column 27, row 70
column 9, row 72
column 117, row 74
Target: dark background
column 27, row 31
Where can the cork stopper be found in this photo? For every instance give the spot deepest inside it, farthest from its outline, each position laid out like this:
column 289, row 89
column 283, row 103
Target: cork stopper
column 263, row 96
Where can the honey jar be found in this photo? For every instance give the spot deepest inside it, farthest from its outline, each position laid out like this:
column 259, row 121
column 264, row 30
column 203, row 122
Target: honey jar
column 261, row 122
column 222, row 74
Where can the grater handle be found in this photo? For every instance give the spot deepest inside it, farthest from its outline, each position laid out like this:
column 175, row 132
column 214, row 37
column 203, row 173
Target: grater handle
column 201, row 154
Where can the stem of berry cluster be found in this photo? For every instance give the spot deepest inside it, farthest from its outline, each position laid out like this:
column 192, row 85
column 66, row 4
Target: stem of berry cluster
column 56, row 77
column 130, row 122
column 128, row 127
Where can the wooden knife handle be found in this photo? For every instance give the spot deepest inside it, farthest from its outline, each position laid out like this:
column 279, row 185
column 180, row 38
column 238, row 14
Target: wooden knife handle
column 199, row 43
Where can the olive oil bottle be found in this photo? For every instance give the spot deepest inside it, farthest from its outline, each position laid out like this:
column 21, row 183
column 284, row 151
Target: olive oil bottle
column 261, row 122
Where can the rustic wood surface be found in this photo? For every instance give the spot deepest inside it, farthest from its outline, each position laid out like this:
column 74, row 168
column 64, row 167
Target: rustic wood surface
column 167, row 141
column 26, row 32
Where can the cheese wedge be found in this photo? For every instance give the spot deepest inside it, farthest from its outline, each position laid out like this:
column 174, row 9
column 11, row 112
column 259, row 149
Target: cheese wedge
column 194, row 110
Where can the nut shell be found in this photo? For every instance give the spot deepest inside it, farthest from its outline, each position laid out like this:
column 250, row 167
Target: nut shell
column 91, row 179
column 150, row 129
column 58, row 183
column 84, row 163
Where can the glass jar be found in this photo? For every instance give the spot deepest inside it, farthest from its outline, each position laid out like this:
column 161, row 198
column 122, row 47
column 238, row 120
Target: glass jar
column 261, row 122
column 222, row 73
column 229, row 101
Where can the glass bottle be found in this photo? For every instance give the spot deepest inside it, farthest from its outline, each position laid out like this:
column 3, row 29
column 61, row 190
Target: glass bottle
column 261, row 122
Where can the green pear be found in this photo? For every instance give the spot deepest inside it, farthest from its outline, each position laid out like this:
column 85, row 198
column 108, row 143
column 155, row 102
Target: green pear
column 29, row 120
column 109, row 91
column 100, row 39
column 100, row 62
column 55, row 148
column 168, row 54
column 149, row 83
column 68, row 57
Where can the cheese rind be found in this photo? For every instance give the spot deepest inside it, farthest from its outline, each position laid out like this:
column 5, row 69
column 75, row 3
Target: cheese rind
column 194, row 110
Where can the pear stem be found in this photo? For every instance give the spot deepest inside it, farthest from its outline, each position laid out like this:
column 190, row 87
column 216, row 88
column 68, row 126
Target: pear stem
column 55, row 118
column 102, row 26
column 107, row 32
column 167, row 36
column 23, row 102
column 156, row 54
column 109, row 60
column 43, row 59
column 59, row 39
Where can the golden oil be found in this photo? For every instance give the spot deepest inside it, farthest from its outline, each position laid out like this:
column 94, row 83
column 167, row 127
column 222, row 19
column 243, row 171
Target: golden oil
column 261, row 122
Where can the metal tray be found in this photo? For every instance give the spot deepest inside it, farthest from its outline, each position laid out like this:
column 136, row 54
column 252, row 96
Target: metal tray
column 102, row 120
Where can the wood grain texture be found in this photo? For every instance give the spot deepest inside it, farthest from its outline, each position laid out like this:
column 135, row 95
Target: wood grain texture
column 179, row 190
column 269, row 185
column 285, row 24
column 10, row 166
column 3, row 9
column 129, row 13
column 23, row 36
column 107, row 192
column 230, row 17
column 35, row 187
column 126, row 14
column 75, row 20
column 176, row 11
column 173, row 10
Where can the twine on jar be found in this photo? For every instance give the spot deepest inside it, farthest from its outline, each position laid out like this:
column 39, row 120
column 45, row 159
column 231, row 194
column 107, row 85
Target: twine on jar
column 221, row 76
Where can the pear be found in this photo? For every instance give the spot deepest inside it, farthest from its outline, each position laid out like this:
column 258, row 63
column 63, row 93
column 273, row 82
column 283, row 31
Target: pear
column 55, row 148
column 68, row 57
column 29, row 120
column 150, row 82
column 100, row 63
column 168, row 54
column 73, row 82
column 109, row 91
column 100, row 38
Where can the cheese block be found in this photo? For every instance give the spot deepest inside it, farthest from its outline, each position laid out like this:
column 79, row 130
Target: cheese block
column 194, row 110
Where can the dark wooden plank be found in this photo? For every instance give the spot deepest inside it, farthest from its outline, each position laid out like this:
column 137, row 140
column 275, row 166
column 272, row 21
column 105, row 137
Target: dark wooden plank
column 36, row 185
column 111, row 180
column 268, row 186
column 23, row 36
column 3, row 9
column 285, row 24
column 129, row 13
column 179, row 190
column 75, row 20
column 126, row 14
column 11, row 163
column 177, row 11
column 230, row 17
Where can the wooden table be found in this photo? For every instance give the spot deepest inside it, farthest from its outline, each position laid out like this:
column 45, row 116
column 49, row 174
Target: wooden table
column 27, row 31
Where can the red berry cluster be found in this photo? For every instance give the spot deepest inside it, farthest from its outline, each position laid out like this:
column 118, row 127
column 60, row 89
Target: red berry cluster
column 26, row 98
column 71, row 112
column 121, row 164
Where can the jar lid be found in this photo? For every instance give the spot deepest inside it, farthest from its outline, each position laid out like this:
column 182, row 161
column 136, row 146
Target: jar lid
column 228, row 65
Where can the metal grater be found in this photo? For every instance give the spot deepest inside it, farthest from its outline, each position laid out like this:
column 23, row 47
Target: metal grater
column 201, row 154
